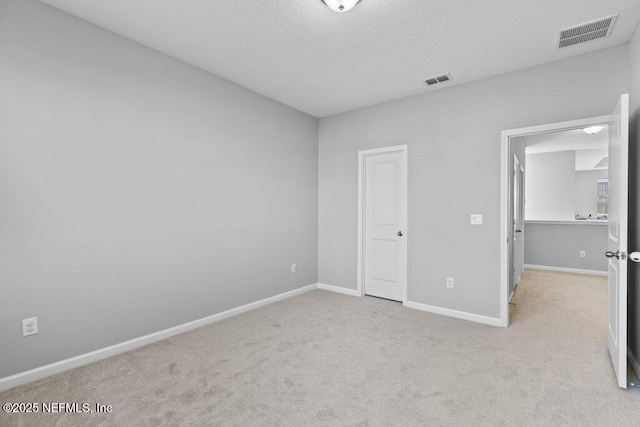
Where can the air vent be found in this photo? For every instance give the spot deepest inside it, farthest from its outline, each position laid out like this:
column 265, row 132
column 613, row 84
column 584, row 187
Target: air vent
column 586, row 32
column 439, row 79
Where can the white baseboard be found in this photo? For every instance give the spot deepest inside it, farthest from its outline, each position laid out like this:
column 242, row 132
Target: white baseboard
column 566, row 270
column 84, row 359
column 338, row 289
column 423, row 307
column 634, row 362
column 493, row 321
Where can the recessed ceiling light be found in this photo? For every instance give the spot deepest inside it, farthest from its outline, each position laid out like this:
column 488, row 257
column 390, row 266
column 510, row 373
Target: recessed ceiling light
column 340, row 5
column 593, row 129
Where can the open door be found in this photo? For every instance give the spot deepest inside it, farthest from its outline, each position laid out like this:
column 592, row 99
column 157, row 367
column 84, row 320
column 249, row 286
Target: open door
column 518, row 220
column 617, row 240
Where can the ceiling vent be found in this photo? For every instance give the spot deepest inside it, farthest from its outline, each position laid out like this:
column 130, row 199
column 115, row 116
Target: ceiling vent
column 586, row 32
column 439, row 79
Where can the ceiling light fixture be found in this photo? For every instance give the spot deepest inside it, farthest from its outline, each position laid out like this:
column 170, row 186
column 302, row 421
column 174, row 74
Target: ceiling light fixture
column 593, row 129
column 340, row 5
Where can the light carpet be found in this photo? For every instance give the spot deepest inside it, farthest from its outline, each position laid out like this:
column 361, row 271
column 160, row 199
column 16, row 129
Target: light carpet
column 329, row 359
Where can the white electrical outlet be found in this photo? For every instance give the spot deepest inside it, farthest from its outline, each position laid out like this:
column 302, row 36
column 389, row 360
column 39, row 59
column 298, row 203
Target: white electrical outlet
column 449, row 282
column 29, row 326
column 583, row 254
column 294, row 268
column 476, row 219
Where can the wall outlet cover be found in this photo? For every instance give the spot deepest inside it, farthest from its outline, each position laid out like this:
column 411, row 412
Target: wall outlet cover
column 449, row 282
column 29, row 326
column 476, row 219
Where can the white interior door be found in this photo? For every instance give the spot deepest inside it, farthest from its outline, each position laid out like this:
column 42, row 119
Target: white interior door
column 617, row 241
column 385, row 196
column 521, row 221
column 517, row 220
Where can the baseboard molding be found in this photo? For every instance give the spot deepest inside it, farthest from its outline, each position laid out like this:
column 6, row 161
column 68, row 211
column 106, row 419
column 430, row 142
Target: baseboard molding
column 423, row 307
column 634, row 362
column 566, row 270
column 493, row 321
column 338, row 289
column 84, row 359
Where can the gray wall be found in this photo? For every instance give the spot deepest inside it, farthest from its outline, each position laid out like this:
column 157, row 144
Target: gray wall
column 551, row 186
column 634, row 194
column 137, row 192
column 556, row 191
column 454, row 170
column 559, row 245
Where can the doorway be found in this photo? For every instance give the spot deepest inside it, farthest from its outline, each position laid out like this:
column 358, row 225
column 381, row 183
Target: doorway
column 382, row 223
column 618, row 125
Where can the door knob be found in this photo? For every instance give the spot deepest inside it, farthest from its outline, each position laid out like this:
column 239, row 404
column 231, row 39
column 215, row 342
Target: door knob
column 634, row 256
column 610, row 254
column 518, row 231
column 400, row 233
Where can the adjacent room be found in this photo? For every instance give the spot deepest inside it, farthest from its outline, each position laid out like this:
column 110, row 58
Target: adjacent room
column 560, row 212
column 566, row 209
column 319, row 212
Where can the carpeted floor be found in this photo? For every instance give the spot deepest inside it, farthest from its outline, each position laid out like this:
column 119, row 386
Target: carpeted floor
column 328, row 359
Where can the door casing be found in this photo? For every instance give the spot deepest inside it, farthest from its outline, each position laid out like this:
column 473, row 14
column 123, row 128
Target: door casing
column 362, row 155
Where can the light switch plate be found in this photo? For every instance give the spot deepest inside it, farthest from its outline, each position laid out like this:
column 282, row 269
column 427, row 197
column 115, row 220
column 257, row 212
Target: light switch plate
column 476, row 219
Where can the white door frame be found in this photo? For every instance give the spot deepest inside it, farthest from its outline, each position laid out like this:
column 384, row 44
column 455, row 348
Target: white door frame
column 505, row 189
column 362, row 155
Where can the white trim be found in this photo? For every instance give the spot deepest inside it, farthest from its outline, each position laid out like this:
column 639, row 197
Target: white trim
column 566, row 270
column 512, row 293
column 93, row 356
column 493, row 321
column 633, row 362
column 362, row 154
column 568, row 222
column 505, row 169
column 339, row 289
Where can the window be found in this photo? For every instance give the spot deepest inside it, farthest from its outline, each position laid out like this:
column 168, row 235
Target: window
column 603, row 198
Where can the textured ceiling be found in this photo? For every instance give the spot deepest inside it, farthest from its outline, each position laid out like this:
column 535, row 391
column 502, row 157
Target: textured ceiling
column 567, row 140
column 321, row 62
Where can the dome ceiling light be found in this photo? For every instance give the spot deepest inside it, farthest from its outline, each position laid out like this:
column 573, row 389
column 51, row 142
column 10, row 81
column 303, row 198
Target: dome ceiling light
column 340, row 5
column 593, row 129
